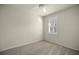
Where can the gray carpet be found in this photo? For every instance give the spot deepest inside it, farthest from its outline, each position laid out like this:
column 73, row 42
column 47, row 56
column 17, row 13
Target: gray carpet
column 40, row 48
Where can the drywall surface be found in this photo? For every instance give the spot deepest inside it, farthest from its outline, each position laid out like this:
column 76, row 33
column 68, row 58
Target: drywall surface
column 52, row 8
column 19, row 25
column 67, row 28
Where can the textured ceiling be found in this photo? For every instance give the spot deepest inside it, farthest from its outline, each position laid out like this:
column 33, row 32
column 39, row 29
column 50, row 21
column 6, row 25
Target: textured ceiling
column 34, row 8
column 50, row 8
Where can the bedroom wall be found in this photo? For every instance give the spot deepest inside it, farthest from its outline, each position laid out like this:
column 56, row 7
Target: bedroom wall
column 19, row 25
column 67, row 28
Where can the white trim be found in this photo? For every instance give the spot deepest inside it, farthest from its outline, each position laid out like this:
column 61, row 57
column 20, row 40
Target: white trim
column 33, row 41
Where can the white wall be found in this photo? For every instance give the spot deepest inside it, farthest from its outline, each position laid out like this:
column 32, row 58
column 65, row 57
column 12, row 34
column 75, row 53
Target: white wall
column 19, row 25
column 68, row 28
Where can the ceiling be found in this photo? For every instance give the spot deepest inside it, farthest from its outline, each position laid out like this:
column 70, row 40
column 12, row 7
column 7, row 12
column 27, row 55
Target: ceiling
column 34, row 8
column 52, row 8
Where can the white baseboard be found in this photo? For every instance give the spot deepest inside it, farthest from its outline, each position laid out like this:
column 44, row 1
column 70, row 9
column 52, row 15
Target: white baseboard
column 33, row 41
column 62, row 45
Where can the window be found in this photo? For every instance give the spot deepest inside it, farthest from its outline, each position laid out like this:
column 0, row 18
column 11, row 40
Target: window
column 52, row 25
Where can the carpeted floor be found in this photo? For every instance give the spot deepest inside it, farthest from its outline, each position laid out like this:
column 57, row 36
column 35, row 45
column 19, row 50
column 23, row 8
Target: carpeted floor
column 40, row 48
